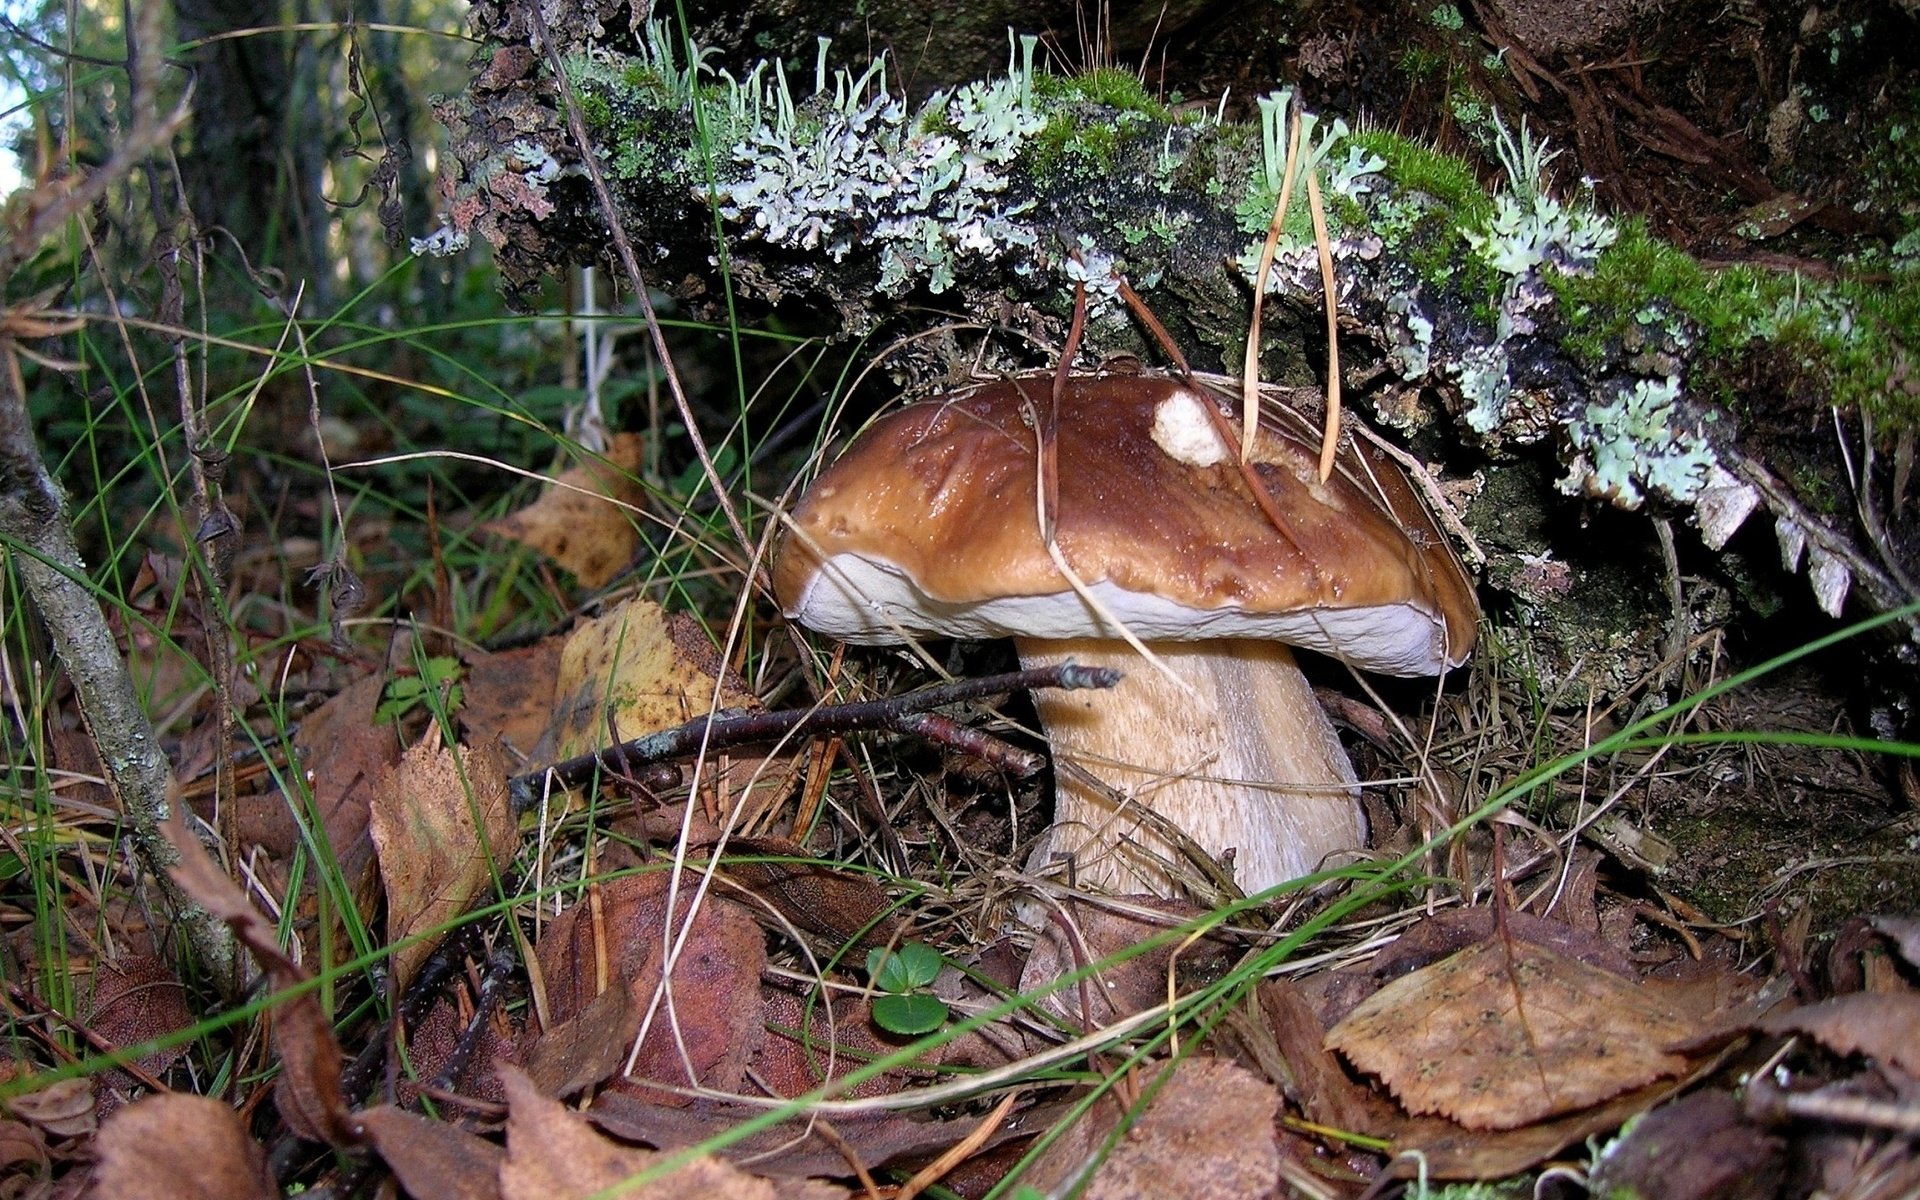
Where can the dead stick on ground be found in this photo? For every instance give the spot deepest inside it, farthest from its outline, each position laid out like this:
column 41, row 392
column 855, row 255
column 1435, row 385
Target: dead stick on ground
column 720, row 731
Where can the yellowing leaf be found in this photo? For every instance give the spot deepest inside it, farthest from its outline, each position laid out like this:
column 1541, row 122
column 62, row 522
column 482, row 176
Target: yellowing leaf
column 582, row 520
column 441, row 826
column 649, row 670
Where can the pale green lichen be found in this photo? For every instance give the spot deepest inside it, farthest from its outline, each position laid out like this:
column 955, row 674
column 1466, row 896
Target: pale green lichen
column 1318, row 140
column 1525, row 235
column 1526, row 231
column 1412, row 332
column 1485, row 384
column 1633, row 443
column 1530, row 228
column 851, row 167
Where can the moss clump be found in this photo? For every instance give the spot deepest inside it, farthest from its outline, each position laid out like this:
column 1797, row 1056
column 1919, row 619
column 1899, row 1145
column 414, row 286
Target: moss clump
column 1070, row 142
column 1109, row 87
column 1090, row 117
column 1439, row 199
column 1851, row 335
column 1420, row 168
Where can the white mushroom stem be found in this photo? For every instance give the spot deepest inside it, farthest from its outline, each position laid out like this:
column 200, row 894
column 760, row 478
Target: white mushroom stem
column 1242, row 760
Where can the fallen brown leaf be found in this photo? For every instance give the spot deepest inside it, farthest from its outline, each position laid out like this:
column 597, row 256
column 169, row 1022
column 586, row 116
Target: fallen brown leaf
column 844, row 907
column 806, row 1044
column 443, row 828
column 588, row 1047
column 639, row 669
column 1330, row 1097
column 1509, row 1032
column 308, row 1092
column 793, row 1149
column 23, row 1156
column 579, row 520
column 1697, row 1148
column 432, row 1158
column 1080, row 934
column 509, row 694
column 711, row 1011
column 1444, row 1150
column 1207, row 1131
column 63, row 1109
column 1880, row 1025
column 179, row 1147
column 137, row 999
column 340, row 753
column 553, row 1154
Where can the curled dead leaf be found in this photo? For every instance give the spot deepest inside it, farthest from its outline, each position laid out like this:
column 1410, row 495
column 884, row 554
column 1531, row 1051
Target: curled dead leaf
column 554, row 1154
column 1884, row 1026
column 444, row 830
column 583, row 520
column 308, row 1091
column 707, row 1021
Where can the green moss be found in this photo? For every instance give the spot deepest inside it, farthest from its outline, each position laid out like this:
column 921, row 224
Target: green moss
column 1108, row 86
column 1878, row 368
column 597, row 111
column 1419, row 64
column 1850, row 335
column 1421, row 168
column 1082, row 138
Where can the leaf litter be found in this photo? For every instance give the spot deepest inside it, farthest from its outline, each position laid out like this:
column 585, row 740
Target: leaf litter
column 586, row 518
column 1475, row 1045
column 1500, row 1038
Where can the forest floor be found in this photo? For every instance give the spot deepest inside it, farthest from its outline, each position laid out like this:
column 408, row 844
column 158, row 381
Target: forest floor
column 1661, row 939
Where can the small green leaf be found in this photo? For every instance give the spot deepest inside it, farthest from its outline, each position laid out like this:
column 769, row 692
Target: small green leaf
column 913, row 965
column 921, row 962
column 916, row 1013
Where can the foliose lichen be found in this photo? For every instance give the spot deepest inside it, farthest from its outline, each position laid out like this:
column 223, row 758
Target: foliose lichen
column 1633, row 443
column 852, row 166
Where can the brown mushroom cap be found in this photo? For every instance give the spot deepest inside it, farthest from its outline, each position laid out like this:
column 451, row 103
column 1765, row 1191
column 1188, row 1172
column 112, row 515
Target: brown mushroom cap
column 927, row 525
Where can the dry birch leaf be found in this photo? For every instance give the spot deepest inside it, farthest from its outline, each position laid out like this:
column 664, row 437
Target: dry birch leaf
column 443, row 827
column 707, row 1021
column 1207, row 1132
column 580, row 521
column 1507, row 1032
column 1884, row 1026
column 433, row 1158
column 647, row 670
column 639, row 669
column 553, row 1154
column 509, row 694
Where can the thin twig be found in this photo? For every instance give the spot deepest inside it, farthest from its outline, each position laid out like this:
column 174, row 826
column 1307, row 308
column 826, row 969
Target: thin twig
column 34, row 525
column 1330, row 436
column 720, row 731
column 1250, row 367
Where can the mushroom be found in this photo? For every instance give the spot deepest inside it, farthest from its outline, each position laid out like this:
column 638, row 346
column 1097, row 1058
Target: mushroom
column 928, row 525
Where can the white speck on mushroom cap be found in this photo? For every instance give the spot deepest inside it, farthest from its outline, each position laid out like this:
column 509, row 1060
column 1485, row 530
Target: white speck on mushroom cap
column 1182, row 428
